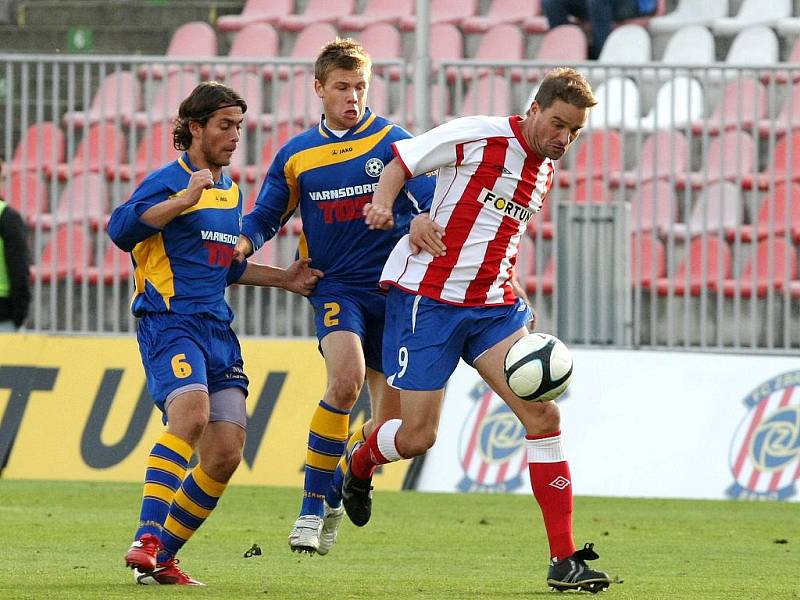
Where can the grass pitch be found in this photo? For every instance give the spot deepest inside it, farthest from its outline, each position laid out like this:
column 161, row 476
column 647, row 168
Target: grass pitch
column 67, row 540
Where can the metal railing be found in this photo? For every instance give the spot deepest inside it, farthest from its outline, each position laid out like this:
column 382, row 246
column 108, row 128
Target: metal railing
column 701, row 159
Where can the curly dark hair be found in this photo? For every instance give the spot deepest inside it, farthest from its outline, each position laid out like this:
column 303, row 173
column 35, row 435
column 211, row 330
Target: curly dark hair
column 199, row 106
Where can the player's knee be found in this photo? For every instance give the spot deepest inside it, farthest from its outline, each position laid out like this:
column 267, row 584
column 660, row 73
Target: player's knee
column 223, row 464
column 541, row 418
column 343, row 390
column 416, row 443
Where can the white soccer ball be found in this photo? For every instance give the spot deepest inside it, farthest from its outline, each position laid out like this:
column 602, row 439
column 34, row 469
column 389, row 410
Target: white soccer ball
column 538, row 367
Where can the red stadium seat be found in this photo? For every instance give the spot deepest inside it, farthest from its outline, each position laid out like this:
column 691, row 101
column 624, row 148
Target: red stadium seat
column 648, row 260
column 66, row 248
column 789, row 116
column 654, row 207
column 446, row 43
column 119, row 94
column 83, row 198
column 664, row 154
column 772, row 266
column 296, row 100
column 743, row 104
column 256, row 11
column 437, row 111
column 443, row 11
column 562, row 44
column 253, row 41
column 273, row 141
column 778, row 213
column 28, row 195
column 155, row 149
column 598, row 155
column 717, row 208
column 116, row 264
column 779, row 165
column 502, row 43
column 488, row 95
column 706, row 265
column 166, row 97
column 544, row 282
column 782, row 77
column 306, row 46
column 502, row 12
column 317, row 11
column 42, row 143
column 382, row 41
column 729, row 156
column 102, row 147
column 378, row 11
column 251, row 89
column 196, row 39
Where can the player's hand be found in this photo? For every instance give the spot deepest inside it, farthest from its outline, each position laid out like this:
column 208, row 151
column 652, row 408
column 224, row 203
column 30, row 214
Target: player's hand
column 244, row 248
column 378, row 217
column 301, row 278
column 199, row 181
column 425, row 234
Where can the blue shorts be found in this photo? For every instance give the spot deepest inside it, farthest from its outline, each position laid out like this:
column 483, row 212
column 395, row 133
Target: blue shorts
column 362, row 311
column 188, row 352
column 424, row 338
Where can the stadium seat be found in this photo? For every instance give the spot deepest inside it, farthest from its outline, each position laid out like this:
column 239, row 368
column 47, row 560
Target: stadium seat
column 119, row 94
column 443, row 11
column 103, row 146
column 788, row 117
column 757, row 45
column 196, row 39
column 544, row 282
column 618, row 105
column 679, row 102
column 446, row 43
column 41, row 144
column 256, row 11
column 742, row 105
column 648, row 260
column 784, row 165
column 706, row 266
column 307, row 45
column 598, row 156
column 753, row 12
column 167, row 95
column 778, row 212
column 590, row 190
column 627, row 45
column 28, row 194
column 254, row 41
column 115, row 264
column 501, row 44
column 84, row 198
column 689, row 12
column 296, row 101
column 562, row 44
column 654, row 207
column 251, row 89
column 663, row 155
column 525, row 267
column 793, row 60
column 727, row 157
column 317, row 11
column 273, row 141
column 437, row 111
column 692, row 45
column 772, row 265
column 266, row 254
column 502, row 12
column 488, row 95
column 718, row 209
column 378, row 11
column 382, row 41
column 66, row 248
column 788, row 27
column 154, row 150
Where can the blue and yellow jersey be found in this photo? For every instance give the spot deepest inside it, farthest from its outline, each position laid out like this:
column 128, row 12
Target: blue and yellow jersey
column 329, row 179
column 184, row 267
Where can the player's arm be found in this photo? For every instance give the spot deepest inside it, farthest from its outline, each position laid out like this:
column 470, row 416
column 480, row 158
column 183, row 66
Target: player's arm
column 520, row 292
column 378, row 213
column 271, row 211
column 299, row 277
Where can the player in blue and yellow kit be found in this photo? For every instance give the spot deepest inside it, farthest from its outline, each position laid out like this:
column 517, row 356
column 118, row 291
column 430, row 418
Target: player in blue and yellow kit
column 181, row 226
column 329, row 172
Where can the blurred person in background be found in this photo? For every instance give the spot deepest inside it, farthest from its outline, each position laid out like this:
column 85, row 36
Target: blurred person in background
column 15, row 290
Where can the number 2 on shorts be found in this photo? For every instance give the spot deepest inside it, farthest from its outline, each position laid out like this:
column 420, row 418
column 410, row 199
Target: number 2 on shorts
column 331, row 310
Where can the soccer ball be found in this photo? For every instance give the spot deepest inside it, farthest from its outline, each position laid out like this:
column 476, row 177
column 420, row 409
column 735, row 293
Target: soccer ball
column 538, row 367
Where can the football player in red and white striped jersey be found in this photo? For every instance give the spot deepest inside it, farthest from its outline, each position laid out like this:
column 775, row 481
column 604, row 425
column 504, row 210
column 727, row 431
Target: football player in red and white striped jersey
column 452, row 294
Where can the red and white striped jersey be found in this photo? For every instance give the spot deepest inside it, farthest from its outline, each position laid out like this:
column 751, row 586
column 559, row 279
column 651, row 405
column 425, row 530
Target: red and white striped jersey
column 489, row 185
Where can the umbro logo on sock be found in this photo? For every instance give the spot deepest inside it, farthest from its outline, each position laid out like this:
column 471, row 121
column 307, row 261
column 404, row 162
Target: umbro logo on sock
column 559, row 483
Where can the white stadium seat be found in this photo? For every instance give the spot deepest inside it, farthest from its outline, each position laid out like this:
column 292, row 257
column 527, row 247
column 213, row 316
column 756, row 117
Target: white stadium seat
column 690, row 12
column 754, row 12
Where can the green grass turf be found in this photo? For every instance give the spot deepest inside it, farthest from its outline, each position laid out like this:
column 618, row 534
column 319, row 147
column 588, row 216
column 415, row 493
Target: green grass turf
column 67, row 540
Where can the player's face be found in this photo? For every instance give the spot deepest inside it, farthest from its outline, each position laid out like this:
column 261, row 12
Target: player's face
column 220, row 136
column 553, row 129
column 344, row 97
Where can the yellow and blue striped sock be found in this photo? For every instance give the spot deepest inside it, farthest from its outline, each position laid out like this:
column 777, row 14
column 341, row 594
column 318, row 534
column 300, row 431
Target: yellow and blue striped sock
column 334, row 495
column 166, row 468
column 327, row 437
column 193, row 503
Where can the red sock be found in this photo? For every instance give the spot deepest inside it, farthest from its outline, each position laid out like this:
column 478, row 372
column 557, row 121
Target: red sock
column 378, row 449
column 552, row 487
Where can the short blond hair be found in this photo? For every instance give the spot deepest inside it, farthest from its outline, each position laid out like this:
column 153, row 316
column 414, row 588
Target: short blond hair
column 567, row 85
column 342, row 53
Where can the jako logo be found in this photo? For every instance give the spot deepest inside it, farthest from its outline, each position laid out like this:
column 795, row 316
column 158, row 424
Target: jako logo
column 765, row 450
